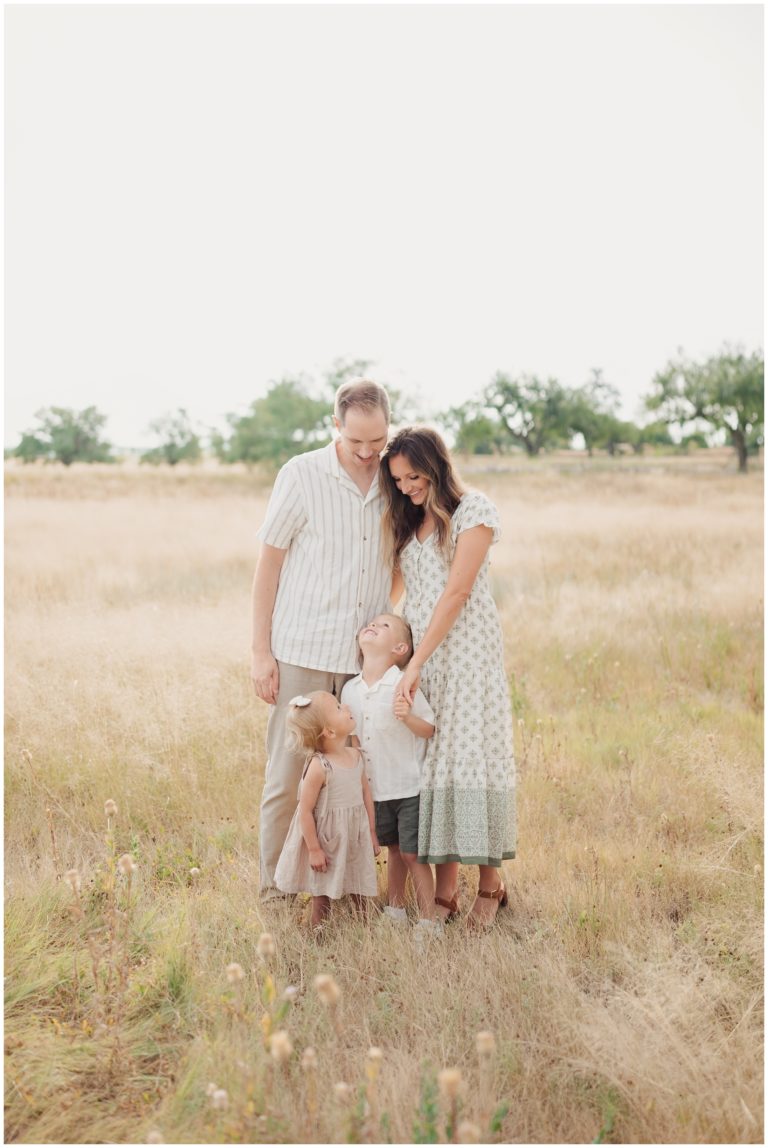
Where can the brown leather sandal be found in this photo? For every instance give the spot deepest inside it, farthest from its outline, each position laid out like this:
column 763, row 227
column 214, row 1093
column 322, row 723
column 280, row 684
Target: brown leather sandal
column 452, row 906
column 498, row 894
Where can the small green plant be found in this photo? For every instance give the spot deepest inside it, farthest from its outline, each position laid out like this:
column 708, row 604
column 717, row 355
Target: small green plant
column 425, row 1124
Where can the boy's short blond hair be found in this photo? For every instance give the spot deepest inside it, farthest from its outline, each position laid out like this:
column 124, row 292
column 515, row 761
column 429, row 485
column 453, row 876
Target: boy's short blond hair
column 407, row 637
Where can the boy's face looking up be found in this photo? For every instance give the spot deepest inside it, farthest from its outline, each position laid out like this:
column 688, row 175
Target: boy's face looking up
column 387, row 634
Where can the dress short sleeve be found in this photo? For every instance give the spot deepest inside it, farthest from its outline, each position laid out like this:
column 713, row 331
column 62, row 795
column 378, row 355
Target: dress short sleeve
column 475, row 509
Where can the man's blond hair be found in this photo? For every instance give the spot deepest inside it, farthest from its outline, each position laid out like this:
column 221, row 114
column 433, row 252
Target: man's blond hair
column 362, row 393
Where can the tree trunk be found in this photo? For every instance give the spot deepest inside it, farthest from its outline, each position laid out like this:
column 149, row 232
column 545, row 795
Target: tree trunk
column 739, row 440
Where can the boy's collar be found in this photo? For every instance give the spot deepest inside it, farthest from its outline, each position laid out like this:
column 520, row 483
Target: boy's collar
column 393, row 674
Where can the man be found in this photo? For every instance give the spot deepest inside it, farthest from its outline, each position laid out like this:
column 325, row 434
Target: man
column 320, row 575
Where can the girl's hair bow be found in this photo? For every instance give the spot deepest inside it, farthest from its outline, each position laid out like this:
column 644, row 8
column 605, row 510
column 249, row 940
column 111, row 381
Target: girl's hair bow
column 300, row 700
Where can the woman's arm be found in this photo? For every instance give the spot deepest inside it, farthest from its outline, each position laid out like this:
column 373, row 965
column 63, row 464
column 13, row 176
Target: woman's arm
column 310, row 791
column 471, row 549
column 418, row 726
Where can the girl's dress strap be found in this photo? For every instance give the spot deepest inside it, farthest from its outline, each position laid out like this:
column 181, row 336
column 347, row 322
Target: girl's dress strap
column 326, row 763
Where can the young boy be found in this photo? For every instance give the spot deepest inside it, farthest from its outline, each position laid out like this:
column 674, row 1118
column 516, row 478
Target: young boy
column 392, row 735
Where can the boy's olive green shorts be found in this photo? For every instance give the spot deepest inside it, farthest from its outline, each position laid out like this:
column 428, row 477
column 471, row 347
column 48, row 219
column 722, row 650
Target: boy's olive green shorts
column 397, row 823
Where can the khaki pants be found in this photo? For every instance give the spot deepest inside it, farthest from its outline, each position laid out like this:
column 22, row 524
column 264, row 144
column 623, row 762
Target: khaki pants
column 283, row 770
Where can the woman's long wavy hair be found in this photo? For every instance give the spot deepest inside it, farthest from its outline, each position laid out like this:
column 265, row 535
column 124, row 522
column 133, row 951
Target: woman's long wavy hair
column 428, row 455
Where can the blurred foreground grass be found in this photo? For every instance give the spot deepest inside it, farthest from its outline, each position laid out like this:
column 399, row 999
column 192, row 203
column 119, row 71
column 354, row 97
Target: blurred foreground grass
column 624, row 986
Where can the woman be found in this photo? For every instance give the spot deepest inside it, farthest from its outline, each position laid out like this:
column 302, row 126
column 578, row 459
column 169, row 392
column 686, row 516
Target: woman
column 439, row 536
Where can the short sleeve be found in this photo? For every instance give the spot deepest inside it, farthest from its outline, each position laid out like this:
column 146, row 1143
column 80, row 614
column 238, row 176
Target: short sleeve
column 476, row 510
column 422, row 709
column 286, row 514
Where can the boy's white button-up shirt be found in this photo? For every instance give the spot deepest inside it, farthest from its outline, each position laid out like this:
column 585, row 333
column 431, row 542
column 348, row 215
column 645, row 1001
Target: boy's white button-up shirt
column 334, row 578
column 393, row 754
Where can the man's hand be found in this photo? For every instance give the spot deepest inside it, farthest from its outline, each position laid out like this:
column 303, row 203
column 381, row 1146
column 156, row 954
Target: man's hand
column 265, row 676
column 318, row 860
column 402, row 707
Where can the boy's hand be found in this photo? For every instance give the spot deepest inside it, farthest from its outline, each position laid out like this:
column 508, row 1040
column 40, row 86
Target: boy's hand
column 402, row 707
column 318, row 860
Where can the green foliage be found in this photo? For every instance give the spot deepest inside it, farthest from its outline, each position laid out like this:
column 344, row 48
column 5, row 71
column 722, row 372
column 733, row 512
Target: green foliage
column 725, row 390
column 288, row 420
column 531, row 411
column 499, row 1116
column 590, row 410
column 474, row 431
column 67, row 436
column 425, row 1124
column 296, row 415
column 178, row 440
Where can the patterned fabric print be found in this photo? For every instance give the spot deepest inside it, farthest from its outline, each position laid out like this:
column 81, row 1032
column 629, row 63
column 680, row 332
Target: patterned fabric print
column 467, row 808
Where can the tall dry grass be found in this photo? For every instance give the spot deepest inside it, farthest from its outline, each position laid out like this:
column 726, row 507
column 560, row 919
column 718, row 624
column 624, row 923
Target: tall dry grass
column 624, row 987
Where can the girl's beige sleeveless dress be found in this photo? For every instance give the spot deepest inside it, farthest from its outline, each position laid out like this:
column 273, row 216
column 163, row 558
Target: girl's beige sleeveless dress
column 344, row 833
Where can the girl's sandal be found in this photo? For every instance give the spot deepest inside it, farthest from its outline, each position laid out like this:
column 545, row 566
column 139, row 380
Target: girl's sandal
column 475, row 924
column 452, row 906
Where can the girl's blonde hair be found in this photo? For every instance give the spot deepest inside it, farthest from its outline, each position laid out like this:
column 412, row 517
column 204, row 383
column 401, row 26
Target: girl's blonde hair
column 304, row 725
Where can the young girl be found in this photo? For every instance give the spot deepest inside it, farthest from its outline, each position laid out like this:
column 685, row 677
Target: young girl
column 331, row 842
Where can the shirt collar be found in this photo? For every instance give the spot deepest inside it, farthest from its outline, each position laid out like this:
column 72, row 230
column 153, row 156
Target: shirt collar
column 337, row 470
column 393, row 674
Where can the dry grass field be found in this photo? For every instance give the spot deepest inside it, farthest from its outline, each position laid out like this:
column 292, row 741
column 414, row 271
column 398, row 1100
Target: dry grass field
column 623, row 987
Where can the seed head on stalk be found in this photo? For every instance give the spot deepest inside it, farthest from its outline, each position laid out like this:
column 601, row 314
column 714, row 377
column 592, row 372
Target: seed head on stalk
column 309, row 1068
column 235, row 973
column 280, row 1046
column 265, row 946
column 468, row 1133
column 74, row 880
column 330, row 994
column 486, row 1053
column 449, row 1083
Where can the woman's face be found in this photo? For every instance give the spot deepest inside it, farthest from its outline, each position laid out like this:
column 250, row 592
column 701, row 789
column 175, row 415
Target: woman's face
column 407, row 480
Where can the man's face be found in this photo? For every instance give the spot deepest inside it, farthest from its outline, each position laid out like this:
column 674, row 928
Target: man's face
column 363, row 436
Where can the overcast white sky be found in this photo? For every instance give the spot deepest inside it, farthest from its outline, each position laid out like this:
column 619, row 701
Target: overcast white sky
column 201, row 198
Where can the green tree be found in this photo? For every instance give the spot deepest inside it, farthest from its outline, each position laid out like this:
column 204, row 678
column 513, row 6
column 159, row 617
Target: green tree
column 67, row 436
column 178, row 440
column 288, row 420
column 725, row 391
column 473, row 431
column 533, row 413
column 30, row 448
column 590, row 410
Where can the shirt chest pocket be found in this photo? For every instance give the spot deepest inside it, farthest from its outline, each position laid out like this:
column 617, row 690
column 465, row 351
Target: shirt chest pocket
column 382, row 718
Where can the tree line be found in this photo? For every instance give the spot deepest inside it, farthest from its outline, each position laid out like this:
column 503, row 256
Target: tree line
column 511, row 413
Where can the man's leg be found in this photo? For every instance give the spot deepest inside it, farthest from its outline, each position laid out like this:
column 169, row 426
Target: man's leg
column 283, row 769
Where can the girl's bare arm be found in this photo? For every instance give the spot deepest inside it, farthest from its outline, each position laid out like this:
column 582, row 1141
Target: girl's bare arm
column 368, row 802
column 310, row 792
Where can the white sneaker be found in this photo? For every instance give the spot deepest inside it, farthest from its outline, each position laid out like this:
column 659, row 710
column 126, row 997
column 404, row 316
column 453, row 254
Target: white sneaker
column 425, row 931
column 396, row 914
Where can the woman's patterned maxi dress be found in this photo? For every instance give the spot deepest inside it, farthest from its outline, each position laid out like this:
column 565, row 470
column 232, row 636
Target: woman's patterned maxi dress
column 467, row 808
